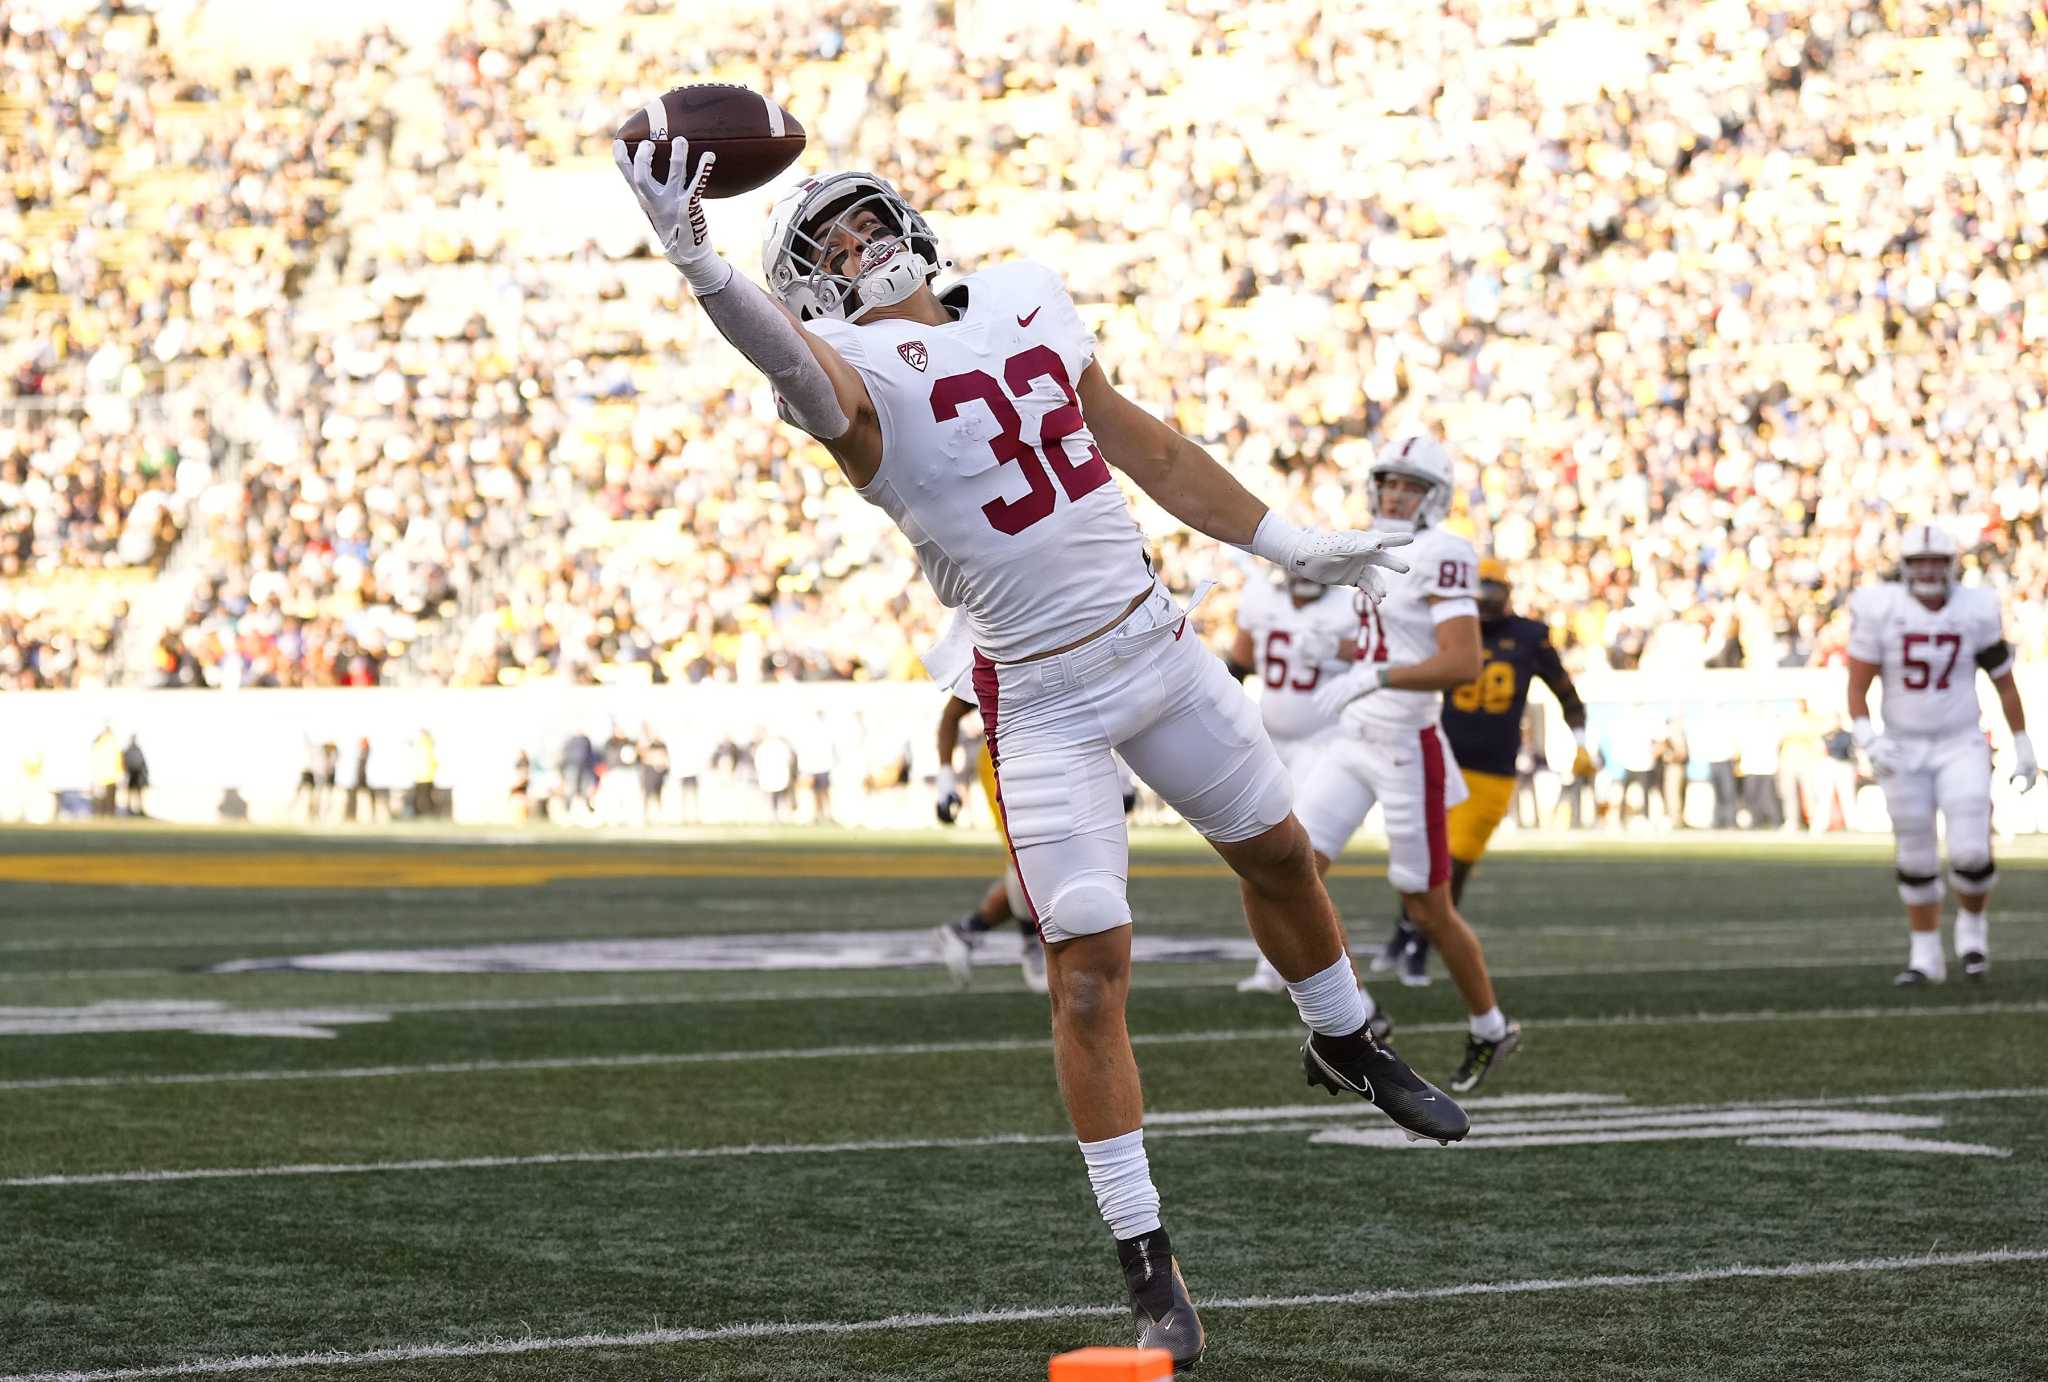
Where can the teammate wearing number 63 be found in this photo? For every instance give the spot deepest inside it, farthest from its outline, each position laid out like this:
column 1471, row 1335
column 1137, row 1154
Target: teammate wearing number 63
column 980, row 421
column 1925, row 638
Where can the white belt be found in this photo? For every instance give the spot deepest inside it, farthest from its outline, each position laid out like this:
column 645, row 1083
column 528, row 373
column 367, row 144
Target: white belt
column 1105, row 650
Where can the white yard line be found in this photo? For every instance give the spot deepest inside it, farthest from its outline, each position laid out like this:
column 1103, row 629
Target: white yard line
column 891, row 1324
column 991, row 1045
column 1856, row 955
column 47, row 976
column 1207, row 1123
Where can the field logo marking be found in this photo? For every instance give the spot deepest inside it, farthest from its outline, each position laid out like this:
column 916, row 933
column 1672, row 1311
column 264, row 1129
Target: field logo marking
column 1767, row 1125
column 1532, row 1120
column 202, row 1019
column 763, row 952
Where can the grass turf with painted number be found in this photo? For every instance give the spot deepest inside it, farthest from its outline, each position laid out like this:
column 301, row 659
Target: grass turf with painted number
column 1711, row 974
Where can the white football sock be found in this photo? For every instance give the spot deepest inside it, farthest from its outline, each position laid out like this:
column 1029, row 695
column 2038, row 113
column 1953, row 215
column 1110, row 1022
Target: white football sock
column 1330, row 1002
column 1926, row 954
column 1123, row 1183
column 1972, row 932
column 1490, row 1025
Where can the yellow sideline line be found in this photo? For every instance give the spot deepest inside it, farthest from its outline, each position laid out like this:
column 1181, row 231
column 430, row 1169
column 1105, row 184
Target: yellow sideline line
column 509, row 869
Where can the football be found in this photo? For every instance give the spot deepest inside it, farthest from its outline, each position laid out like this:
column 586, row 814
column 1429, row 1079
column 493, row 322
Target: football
column 753, row 137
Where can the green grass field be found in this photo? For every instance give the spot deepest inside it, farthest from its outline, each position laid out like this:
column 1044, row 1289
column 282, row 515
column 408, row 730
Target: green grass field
column 1729, row 1150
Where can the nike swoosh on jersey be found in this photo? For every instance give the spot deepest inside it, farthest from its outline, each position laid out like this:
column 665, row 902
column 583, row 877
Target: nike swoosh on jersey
column 1026, row 321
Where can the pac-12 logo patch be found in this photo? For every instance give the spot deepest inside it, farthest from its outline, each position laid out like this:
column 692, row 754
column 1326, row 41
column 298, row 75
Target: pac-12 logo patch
column 914, row 355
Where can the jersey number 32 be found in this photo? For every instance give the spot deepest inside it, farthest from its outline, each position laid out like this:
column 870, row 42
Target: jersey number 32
column 1013, row 516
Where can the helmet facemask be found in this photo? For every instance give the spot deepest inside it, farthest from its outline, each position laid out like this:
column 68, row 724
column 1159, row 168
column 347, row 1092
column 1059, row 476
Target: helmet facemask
column 1928, row 557
column 1418, row 458
column 1931, row 576
column 848, row 246
column 1430, row 507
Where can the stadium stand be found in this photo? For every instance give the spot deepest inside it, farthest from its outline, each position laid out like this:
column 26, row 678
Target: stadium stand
column 1712, row 297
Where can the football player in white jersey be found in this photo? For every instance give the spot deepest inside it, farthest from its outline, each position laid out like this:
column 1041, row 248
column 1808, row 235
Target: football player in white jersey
column 1288, row 634
column 983, row 425
column 1419, row 642
column 1927, row 638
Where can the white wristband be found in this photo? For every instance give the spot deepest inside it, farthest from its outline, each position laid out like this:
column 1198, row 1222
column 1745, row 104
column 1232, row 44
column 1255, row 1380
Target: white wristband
column 1579, row 736
column 1863, row 732
column 949, row 781
column 1275, row 540
column 706, row 274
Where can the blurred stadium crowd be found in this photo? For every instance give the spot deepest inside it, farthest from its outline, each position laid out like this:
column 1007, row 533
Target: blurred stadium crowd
column 296, row 388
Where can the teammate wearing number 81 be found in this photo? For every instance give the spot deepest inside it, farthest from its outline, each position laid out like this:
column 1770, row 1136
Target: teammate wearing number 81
column 982, row 424
column 1421, row 641
column 1926, row 638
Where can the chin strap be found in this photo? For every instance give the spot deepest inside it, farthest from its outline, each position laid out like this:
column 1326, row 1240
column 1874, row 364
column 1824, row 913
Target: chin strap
column 759, row 329
column 892, row 280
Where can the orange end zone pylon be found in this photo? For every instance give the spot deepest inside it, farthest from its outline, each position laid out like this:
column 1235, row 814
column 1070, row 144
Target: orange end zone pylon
column 1113, row 1365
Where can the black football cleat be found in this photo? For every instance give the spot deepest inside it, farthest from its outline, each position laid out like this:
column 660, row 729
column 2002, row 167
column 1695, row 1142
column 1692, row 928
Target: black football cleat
column 1914, row 978
column 1415, row 964
column 1359, row 1064
column 1482, row 1056
column 1975, row 964
column 1389, row 955
column 1165, row 1315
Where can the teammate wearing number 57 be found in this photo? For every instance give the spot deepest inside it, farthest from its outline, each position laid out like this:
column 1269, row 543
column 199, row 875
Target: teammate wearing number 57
column 982, row 424
column 1925, row 638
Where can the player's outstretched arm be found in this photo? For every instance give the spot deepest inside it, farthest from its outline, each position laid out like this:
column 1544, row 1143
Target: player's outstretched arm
column 814, row 387
column 1188, row 483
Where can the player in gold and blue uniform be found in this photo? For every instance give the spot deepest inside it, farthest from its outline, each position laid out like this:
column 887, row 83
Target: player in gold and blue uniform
column 1483, row 721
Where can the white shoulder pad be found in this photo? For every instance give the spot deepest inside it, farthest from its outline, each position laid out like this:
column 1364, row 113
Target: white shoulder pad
column 1445, row 565
column 844, row 337
column 1986, row 618
column 1868, row 610
column 1037, row 286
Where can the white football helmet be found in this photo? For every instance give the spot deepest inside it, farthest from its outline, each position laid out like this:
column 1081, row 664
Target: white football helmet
column 895, row 263
column 1927, row 558
column 1420, row 458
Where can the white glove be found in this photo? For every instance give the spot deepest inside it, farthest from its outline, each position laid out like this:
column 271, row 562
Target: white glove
column 1338, row 692
column 1316, row 554
column 1881, row 752
column 2025, row 767
column 949, row 795
column 676, row 210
